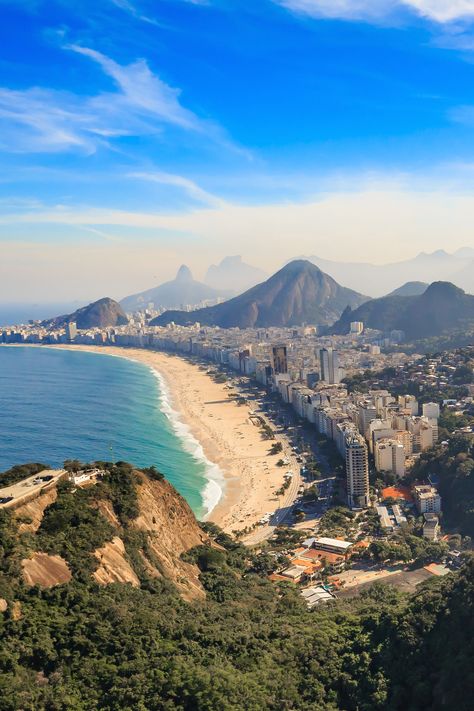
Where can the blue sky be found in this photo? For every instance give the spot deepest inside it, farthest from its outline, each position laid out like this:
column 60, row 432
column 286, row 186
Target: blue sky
column 137, row 135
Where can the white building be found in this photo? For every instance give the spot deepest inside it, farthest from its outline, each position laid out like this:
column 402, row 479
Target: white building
column 427, row 499
column 357, row 471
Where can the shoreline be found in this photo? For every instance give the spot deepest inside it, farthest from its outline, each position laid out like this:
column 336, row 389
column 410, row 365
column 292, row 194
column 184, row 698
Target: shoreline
column 235, row 453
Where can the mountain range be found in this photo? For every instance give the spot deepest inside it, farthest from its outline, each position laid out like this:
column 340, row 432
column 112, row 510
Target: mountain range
column 379, row 279
column 180, row 291
column 297, row 294
column 441, row 309
column 104, row 313
column 234, row 275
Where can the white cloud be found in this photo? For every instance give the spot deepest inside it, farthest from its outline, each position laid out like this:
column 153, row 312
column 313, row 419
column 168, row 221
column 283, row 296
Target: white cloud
column 46, row 120
column 440, row 11
column 189, row 186
column 143, row 91
column 43, row 120
column 134, row 11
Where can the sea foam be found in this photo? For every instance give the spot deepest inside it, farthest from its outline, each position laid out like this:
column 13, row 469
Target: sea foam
column 213, row 491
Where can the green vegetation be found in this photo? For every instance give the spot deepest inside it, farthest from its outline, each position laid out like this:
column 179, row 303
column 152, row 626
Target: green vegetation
column 338, row 521
column 453, row 466
column 250, row 645
column 276, row 448
column 408, row 548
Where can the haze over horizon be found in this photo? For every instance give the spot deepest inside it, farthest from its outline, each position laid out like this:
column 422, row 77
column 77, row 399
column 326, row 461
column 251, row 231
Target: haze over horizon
column 136, row 138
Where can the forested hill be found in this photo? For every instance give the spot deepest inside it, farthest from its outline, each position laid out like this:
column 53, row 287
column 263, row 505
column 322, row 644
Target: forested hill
column 103, row 313
column 82, row 646
column 441, row 309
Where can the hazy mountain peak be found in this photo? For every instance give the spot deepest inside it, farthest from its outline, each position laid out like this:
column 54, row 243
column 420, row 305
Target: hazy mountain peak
column 410, row 288
column 233, row 274
column 298, row 293
column 184, row 274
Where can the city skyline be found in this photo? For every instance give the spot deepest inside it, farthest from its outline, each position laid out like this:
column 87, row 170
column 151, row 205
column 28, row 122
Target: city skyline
column 137, row 138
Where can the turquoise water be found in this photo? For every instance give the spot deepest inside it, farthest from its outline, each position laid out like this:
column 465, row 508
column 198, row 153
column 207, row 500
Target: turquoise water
column 58, row 404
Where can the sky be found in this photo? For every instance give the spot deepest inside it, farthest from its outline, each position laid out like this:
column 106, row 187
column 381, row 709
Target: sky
column 137, row 135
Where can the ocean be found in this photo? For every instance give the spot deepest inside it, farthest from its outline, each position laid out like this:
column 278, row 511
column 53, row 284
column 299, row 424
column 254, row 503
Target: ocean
column 58, row 404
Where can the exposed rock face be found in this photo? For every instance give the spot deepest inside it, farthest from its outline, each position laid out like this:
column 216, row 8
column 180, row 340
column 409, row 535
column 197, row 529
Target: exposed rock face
column 114, row 568
column 299, row 293
column 34, row 510
column 45, row 570
column 163, row 514
column 174, row 530
column 104, row 313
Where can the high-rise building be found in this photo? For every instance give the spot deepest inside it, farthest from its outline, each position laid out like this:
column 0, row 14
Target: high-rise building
column 431, row 412
column 280, row 359
column 329, row 369
column 71, row 331
column 389, row 456
column 357, row 327
column 357, row 471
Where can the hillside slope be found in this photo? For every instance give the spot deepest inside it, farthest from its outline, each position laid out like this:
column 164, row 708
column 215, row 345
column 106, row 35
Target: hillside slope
column 297, row 294
column 128, row 527
column 441, row 309
column 104, row 313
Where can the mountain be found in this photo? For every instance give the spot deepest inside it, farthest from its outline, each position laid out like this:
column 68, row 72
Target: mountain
column 443, row 308
column 378, row 279
column 182, row 290
column 234, row 275
column 299, row 293
column 103, row 313
column 411, row 288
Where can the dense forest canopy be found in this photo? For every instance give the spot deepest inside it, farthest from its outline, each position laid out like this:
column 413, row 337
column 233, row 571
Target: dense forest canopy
column 248, row 645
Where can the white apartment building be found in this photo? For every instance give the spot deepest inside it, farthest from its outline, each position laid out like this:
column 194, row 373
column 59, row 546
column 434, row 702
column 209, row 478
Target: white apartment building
column 389, row 456
column 357, row 471
column 427, row 499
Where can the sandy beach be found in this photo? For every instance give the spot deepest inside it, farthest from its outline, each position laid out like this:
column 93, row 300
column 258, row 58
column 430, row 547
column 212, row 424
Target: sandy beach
column 228, row 437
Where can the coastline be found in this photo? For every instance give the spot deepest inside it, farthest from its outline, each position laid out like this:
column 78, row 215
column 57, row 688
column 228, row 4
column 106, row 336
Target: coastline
column 242, row 476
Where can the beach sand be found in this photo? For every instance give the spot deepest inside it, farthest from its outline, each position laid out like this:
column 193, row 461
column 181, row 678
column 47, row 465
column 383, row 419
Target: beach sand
column 226, row 433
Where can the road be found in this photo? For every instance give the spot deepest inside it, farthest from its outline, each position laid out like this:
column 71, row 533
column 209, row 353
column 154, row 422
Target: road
column 26, row 489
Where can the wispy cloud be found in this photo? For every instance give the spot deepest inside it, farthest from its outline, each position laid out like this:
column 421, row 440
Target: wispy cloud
column 133, row 10
column 142, row 90
column 178, row 181
column 440, row 11
column 46, row 120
